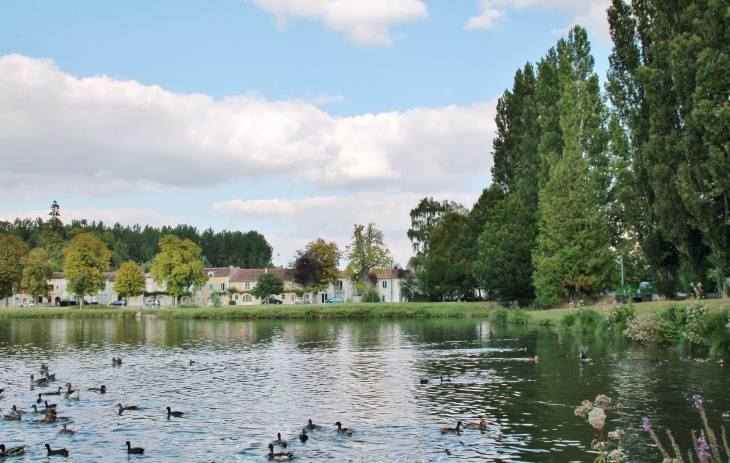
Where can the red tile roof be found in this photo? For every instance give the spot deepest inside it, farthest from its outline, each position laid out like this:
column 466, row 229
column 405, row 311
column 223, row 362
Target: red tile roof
column 111, row 276
column 220, row 271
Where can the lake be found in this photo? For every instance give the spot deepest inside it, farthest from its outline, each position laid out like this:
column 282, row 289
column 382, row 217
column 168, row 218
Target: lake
column 252, row 379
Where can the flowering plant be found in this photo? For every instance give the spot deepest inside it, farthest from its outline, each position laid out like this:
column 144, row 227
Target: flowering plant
column 595, row 414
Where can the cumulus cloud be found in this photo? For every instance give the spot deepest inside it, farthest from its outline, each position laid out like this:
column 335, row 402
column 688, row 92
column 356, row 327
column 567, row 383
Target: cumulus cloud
column 100, row 135
column 364, row 22
column 126, row 216
column 332, row 217
column 590, row 14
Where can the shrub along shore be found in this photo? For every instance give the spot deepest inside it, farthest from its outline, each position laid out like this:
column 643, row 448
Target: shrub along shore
column 702, row 327
column 313, row 311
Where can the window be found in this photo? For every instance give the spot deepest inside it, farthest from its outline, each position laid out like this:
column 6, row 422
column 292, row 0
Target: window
column 293, row 297
column 246, row 298
column 283, row 297
column 197, row 299
column 247, row 285
column 382, row 298
column 210, row 274
column 235, row 297
column 210, row 287
column 385, row 284
column 222, row 286
column 209, row 300
column 339, row 285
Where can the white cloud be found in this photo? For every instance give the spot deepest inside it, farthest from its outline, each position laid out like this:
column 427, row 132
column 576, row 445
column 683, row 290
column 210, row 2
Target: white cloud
column 99, row 135
column 590, row 14
column 127, row 216
column 332, row 217
column 364, row 22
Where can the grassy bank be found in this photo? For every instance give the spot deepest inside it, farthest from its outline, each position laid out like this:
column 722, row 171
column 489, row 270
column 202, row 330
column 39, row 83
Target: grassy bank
column 314, row 311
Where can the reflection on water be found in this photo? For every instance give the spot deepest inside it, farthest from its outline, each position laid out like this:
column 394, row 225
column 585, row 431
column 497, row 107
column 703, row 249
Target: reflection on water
column 254, row 379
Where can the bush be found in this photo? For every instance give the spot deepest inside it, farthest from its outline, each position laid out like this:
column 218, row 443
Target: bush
column 499, row 315
column 370, row 294
column 520, row 317
column 616, row 320
column 231, row 302
column 648, row 328
column 189, row 306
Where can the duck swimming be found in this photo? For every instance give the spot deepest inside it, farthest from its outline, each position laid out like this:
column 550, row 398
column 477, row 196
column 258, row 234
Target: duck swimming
column 66, row 431
column 39, row 399
column 38, row 382
column 312, row 425
column 116, row 361
column 71, row 393
column 124, row 408
column 726, row 415
column 481, row 425
column 58, row 392
column 279, row 441
column 42, row 410
column 176, row 414
column 52, row 452
column 343, row 430
column 279, row 456
column 50, row 405
column 303, row 436
column 447, row 380
column 16, row 417
column 424, row 380
column 50, row 378
column 583, row 357
column 101, row 390
column 12, row 451
column 457, row 429
column 134, row 450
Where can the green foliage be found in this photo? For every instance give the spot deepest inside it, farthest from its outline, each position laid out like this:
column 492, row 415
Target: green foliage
column 370, row 294
column 130, row 280
column 367, row 252
column 504, row 267
column 178, row 266
column 36, row 273
column 268, row 284
column 328, row 255
column 424, row 218
column 215, row 299
column 307, row 270
column 499, row 315
column 446, row 268
column 12, row 252
column 85, row 259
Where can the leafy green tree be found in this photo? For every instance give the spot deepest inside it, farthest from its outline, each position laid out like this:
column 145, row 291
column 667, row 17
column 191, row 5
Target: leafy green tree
column 424, row 217
column 178, row 266
column 328, row 255
column 36, row 273
column 130, row 280
column 446, row 267
column 12, row 252
column 367, row 252
column 268, row 284
column 504, row 267
column 516, row 161
column 573, row 246
column 86, row 258
column 307, row 271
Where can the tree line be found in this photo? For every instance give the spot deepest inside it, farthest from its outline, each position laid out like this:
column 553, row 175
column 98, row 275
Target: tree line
column 589, row 179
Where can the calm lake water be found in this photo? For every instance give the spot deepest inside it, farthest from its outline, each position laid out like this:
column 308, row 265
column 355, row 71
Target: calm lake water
column 254, row 379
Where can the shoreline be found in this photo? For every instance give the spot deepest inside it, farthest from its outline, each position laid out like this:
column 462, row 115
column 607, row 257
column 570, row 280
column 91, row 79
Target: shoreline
column 313, row 311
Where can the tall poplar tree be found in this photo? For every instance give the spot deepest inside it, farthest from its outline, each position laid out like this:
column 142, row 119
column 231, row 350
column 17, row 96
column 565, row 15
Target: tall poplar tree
column 573, row 247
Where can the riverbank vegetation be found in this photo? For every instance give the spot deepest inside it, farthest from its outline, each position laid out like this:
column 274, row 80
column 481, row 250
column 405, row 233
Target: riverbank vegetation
column 306, row 311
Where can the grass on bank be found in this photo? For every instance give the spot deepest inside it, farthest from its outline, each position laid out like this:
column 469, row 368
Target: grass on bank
column 307, row 311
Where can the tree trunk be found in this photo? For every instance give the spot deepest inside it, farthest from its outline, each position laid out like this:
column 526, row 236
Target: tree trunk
column 726, row 288
column 81, row 303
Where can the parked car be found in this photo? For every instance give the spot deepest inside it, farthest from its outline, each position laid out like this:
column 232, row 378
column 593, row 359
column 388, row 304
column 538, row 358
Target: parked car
column 120, row 303
column 299, row 300
column 154, row 303
column 334, row 300
column 271, row 300
column 29, row 304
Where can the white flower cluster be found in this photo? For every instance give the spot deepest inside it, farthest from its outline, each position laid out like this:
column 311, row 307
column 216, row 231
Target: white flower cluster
column 645, row 328
column 597, row 418
column 696, row 316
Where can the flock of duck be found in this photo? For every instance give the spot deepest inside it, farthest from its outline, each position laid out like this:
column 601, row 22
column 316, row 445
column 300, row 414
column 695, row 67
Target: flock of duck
column 49, row 413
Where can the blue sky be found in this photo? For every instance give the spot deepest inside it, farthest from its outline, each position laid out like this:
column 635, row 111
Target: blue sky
column 297, row 118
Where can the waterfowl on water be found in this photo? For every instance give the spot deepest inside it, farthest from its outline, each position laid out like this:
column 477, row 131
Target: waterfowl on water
column 312, row 425
column 116, row 360
column 481, row 425
column 58, row 392
column 101, row 389
column 50, row 378
column 52, row 452
column 14, row 409
column 17, row 417
column 726, row 415
column 50, row 418
column 124, row 408
column 279, row 440
column 303, row 436
column 50, row 405
column 444, row 380
column 66, row 431
column 1, row 391
column 279, row 456
column 39, row 399
column 42, row 381
column 424, row 380
column 457, row 429
column 134, row 450
column 42, row 410
column 343, row 430
column 582, row 354
column 71, row 393
column 44, row 368
column 12, row 451
column 192, row 362
column 174, row 413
